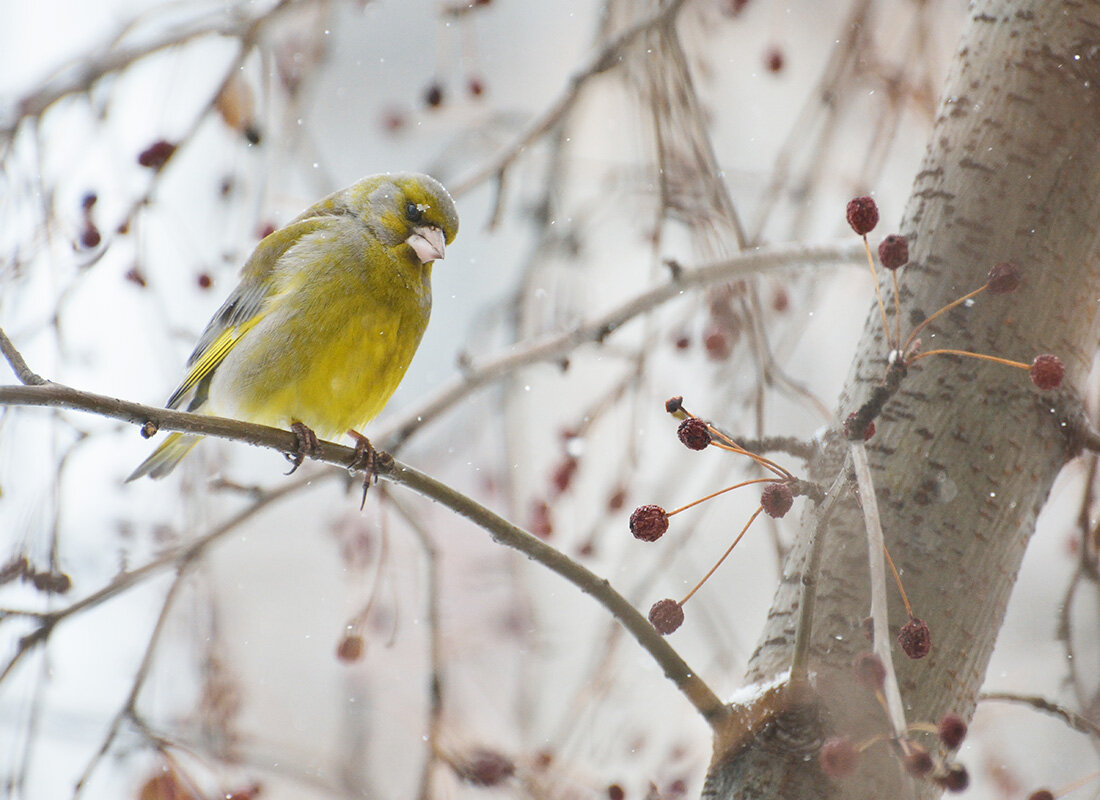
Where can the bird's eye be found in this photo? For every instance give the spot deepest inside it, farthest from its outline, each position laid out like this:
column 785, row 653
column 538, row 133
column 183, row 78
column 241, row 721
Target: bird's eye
column 413, row 212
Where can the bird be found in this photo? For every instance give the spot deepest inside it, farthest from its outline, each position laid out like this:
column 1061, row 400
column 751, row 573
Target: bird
column 329, row 311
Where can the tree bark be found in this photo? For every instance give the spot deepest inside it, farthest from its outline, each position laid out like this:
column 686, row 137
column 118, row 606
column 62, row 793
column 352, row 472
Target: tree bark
column 965, row 453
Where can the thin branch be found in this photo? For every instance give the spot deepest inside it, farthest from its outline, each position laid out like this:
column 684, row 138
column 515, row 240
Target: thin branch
column 608, row 57
column 509, row 535
column 171, row 559
column 500, row 530
column 432, row 622
column 554, row 347
column 875, row 544
column 800, row 671
column 81, row 75
column 128, row 709
column 1068, row 716
column 25, row 374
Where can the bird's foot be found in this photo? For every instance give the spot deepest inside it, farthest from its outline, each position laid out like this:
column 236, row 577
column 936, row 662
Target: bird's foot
column 366, row 458
column 308, row 446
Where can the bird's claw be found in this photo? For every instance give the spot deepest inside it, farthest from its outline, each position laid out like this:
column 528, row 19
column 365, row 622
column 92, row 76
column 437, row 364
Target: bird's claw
column 366, row 458
column 308, row 445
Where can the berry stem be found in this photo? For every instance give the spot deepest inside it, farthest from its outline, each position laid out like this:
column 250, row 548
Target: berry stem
column 724, row 442
column 897, row 306
column 712, row 495
column 948, row 352
column 922, row 727
column 1077, row 784
column 729, row 550
column 913, row 333
column 878, row 294
column 880, row 641
column 897, row 580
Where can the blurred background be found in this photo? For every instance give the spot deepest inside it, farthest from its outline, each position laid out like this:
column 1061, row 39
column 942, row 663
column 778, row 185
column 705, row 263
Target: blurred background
column 147, row 146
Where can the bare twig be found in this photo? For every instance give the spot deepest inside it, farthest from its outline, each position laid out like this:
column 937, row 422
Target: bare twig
column 881, row 640
column 604, row 60
column 552, row 348
column 24, row 373
column 800, row 660
column 1068, row 716
column 435, row 647
column 499, row 529
column 505, row 533
column 129, row 707
column 173, row 558
column 82, row 75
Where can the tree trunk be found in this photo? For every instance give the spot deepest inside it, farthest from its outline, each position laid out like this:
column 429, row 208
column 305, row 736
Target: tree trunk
column 965, row 453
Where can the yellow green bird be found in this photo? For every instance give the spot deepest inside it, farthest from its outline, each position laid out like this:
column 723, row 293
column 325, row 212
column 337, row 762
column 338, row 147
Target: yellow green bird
column 327, row 316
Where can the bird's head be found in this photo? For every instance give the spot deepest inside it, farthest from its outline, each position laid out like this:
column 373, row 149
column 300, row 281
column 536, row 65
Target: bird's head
column 408, row 208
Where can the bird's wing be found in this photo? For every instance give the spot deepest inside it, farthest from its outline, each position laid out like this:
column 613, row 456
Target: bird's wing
column 249, row 303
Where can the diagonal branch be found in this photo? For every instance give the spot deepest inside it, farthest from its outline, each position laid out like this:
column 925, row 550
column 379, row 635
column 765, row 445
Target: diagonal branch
column 499, row 529
column 555, row 346
column 608, row 57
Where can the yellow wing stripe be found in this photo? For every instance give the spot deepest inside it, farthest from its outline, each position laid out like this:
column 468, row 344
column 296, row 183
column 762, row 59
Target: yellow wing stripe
column 212, row 357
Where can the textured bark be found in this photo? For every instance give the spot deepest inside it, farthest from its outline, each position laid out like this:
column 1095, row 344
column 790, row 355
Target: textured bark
column 966, row 452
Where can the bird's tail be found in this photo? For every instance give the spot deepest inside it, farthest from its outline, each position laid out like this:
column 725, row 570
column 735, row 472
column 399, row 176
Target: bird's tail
column 164, row 458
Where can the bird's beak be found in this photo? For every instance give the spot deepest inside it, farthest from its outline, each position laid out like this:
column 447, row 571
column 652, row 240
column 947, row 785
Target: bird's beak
column 427, row 242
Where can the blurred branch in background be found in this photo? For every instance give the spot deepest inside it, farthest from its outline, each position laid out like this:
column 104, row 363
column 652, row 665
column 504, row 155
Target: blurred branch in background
column 652, row 197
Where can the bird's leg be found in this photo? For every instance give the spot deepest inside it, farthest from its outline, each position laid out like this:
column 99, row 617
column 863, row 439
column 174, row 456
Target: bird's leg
column 307, row 446
column 365, row 458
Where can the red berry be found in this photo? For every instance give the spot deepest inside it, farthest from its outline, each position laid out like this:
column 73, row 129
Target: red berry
column 89, row 237
column 1003, row 278
column 204, row 280
column 1047, row 371
column 862, row 215
column 51, row 582
column 433, row 95
column 951, row 730
column 1041, row 794
column 563, row 474
column 541, row 524
column 617, row 499
column 666, row 616
column 869, row 672
column 893, row 251
column 717, row 342
column 350, row 649
column 156, row 155
column 777, row 499
column 915, row 638
column 917, row 760
column 773, row 59
column 393, row 120
column 838, row 757
column 649, row 523
column 956, row 779
column 693, row 432
column 484, row 768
